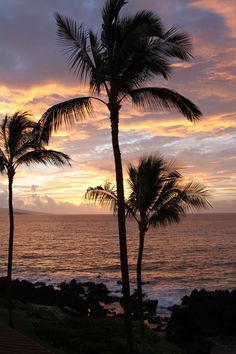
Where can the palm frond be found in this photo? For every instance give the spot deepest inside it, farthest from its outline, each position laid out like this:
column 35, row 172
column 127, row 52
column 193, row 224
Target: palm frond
column 174, row 43
column 167, row 216
column 110, row 31
column 163, row 98
column 133, row 31
column 29, row 141
column 131, row 55
column 166, row 188
column 145, row 181
column 74, row 40
column 105, row 196
column 4, row 134
column 195, row 196
column 14, row 131
column 176, row 200
column 168, row 207
column 140, row 64
column 99, row 75
column 22, row 145
column 144, row 23
column 156, row 195
column 110, row 12
column 67, row 112
column 44, row 157
column 3, row 162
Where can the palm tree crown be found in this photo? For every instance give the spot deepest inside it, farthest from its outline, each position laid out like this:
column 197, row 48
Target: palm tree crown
column 20, row 144
column 156, row 194
column 129, row 51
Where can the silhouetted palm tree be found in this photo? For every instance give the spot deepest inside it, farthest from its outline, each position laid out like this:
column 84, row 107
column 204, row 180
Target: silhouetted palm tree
column 129, row 51
column 20, row 144
column 156, row 197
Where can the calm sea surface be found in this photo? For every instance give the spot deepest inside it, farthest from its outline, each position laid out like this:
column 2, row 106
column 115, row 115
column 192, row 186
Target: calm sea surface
column 198, row 253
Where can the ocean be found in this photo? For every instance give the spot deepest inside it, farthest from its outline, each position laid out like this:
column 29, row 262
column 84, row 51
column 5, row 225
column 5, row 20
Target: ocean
column 200, row 252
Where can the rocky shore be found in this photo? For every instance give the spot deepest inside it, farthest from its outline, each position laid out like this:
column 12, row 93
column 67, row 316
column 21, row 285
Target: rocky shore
column 204, row 323
column 76, row 298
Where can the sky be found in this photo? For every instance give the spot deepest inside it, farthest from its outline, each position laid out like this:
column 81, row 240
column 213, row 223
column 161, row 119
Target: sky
column 34, row 75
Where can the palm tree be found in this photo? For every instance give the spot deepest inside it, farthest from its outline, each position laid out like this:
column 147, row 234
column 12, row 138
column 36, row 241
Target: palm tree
column 20, row 144
column 156, row 197
column 128, row 51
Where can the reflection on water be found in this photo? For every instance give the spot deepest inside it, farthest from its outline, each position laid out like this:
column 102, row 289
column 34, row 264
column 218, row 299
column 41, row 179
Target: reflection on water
column 199, row 252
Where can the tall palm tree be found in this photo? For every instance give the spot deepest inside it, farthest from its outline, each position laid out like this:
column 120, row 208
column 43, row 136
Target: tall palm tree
column 128, row 52
column 156, row 197
column 20, row 144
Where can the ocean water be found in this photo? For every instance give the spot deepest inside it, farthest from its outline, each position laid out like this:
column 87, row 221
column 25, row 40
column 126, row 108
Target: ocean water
column 200, row 252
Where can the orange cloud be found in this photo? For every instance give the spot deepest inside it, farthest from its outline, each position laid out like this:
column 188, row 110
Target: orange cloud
column 223, row 8
column 37, row 99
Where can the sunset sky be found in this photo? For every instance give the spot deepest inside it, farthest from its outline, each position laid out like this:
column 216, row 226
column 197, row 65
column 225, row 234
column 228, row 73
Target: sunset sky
column 34, row 75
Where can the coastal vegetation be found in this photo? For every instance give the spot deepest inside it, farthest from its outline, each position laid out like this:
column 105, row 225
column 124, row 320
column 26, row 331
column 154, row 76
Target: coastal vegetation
column 58, row 319
column 82, row 335
column 128, row 53
column 21, row 144
column 53, row 317
column 156, row 197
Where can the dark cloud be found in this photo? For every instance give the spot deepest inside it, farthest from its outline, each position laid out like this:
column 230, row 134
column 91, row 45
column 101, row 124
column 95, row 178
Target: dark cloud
column 29, row 52
column 34, row 188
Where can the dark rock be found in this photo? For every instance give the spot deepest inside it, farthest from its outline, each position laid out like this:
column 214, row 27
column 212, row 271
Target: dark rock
column 110, row 299
column 3, row 287
column 150, row 306
column 95, row 309
column 23, row 290
column 63, row 286
column 98, row 290
column 158, row 328
column 154, row 319
column 73, row 283
column 72, row 287
column 202, row 315
column 38, row 284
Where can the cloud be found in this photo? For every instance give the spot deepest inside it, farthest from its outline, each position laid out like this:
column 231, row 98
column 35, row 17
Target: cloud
column 34, row 75
column 225, row 9
column 49, row 205
column 34, row 188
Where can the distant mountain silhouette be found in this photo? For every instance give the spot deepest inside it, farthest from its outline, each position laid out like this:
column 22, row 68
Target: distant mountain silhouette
column 4, row 211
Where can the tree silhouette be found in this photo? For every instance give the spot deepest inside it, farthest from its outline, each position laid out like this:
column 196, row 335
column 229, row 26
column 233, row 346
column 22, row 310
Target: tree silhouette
column 128, row 52
column 156, row 197
column 20, row 144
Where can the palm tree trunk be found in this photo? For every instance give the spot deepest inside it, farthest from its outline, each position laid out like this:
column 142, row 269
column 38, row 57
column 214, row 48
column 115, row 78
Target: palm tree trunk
column 140, row 291
column 114, row 117
column 10, row 248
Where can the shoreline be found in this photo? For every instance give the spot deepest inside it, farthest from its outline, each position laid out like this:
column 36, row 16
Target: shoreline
column 167, row 298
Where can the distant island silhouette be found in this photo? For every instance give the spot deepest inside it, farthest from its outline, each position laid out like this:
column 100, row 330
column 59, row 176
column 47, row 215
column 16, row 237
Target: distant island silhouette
column 4, row 211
